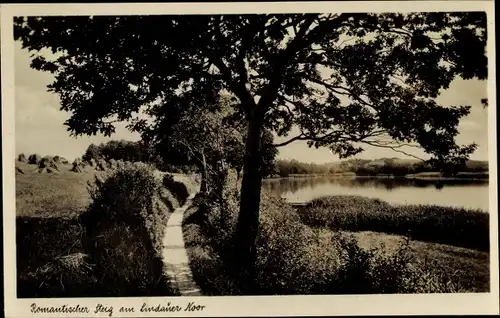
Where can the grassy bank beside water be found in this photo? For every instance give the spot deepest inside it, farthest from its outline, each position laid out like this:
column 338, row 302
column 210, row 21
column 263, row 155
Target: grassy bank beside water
column 430, row 223
column 72, row 242
column 296, row 258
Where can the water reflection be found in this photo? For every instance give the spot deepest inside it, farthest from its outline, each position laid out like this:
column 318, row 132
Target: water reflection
column 456, row 192
column 294, row 184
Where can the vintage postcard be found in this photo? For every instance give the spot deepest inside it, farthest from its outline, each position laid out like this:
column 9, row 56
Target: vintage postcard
column 249, row 159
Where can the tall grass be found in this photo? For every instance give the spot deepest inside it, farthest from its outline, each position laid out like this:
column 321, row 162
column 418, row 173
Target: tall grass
column 446, row 225
column 50, row 259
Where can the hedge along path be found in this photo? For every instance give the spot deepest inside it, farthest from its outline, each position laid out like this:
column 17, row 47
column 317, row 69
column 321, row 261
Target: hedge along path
column 175, row 258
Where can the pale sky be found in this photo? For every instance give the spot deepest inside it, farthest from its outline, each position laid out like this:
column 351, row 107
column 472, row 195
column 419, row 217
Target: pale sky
column 40, row 129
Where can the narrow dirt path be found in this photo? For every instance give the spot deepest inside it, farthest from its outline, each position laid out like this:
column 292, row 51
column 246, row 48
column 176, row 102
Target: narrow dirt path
column 175, row 257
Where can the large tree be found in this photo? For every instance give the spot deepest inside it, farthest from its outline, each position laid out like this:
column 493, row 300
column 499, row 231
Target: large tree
column 344, row 80
column 196, row 127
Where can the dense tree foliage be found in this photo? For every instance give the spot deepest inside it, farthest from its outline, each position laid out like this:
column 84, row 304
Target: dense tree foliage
column 135, row 151
column 119, row 150
column 344, row 80
column 210, row 137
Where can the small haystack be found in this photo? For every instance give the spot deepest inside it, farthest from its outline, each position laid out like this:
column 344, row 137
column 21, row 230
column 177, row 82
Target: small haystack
column 34, row 159
column 101, row 165
column 19, row 170
column 22, row 158
column 77, row 165
column 61, row 160
column 48, row 170
column 47, row 164
column 92, row 162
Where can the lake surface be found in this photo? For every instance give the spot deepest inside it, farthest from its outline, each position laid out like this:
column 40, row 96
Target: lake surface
column 458, row 193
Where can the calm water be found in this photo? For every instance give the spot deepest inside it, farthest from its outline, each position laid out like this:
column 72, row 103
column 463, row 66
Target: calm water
column 458, row 193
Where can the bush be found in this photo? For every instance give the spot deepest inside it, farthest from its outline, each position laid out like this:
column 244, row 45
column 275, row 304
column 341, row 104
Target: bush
column 208, row 228
column 178, row 189
column 446, row 225
column 209, row 270
column 125, row 225
column 296, row 259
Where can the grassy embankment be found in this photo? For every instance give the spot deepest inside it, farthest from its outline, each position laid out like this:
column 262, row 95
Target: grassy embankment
column 72, row 242
column 336, row 251
column 430, row 223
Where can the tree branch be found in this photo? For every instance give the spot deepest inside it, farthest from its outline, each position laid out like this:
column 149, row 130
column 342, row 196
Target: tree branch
column 310, row 137
column 348, row 92
column 238, row 88
column 298, row 137
column 279, row 65
column 393, row 148
column 398, row 31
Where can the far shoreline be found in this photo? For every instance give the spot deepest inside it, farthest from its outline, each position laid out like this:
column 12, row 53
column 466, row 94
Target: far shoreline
column 435, row 176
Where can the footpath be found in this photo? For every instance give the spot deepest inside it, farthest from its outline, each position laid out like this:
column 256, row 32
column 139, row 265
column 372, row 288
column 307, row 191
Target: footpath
column 175, row 258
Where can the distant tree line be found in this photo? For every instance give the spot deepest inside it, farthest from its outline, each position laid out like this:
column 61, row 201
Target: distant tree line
column 117, row 149
column 134, row 151
column 173, row 160
column 363, row 167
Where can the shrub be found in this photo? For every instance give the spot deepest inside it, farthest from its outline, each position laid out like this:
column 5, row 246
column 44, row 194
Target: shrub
column 281, row 238
column 296, row 259
column 209, row 270
column 178, row 189
column 125, row 224
column 208, row 228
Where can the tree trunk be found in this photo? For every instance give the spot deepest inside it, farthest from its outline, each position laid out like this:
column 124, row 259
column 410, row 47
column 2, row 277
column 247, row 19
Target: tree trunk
column 248, row 218
column 204, row 175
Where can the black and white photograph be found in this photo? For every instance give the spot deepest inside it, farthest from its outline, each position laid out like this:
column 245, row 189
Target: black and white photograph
column 155, row 160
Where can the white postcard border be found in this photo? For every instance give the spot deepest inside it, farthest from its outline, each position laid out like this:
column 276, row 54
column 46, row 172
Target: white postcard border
column 482, row 303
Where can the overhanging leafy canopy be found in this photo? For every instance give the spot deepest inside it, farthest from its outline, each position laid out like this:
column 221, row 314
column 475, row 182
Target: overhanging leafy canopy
column 343, row 79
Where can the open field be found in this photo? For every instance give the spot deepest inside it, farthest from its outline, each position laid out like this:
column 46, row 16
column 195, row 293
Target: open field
column 61, row 194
